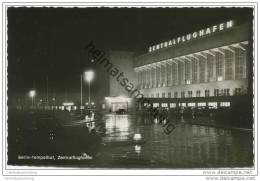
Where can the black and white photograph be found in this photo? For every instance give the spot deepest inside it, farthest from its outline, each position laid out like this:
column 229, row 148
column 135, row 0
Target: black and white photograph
column 117, row 87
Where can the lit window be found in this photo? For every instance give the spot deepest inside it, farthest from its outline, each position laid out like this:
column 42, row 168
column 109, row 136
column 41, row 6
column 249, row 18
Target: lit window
column 172, row 105
column 240, row 65
column 191, row 104
column 155, row 104
column 183, row 104
column 220, row 78
column 219, row 66
column 164, row 105
column 201, row 104
column 213, row 104
column 224, row 104
column 229, row 57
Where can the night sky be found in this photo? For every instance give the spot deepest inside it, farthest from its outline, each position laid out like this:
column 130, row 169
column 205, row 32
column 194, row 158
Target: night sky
column 50, row 41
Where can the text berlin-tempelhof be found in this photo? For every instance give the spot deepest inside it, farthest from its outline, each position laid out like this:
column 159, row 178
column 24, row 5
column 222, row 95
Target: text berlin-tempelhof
column 194, row 35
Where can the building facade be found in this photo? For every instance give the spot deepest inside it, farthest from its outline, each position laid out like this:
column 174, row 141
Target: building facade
column 208, row 67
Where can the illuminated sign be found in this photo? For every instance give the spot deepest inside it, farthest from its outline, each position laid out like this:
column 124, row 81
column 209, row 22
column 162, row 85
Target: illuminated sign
column 192, row 36
column 68, row 104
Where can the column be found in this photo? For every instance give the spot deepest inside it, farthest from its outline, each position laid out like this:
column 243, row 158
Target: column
column 224, row 65
column 151, row 76
column 160, row 66
column 166, row 74
column 183, row 77
column 169, row 81
column 191, row 76
column 198, row 69
column 177, row 73
column 145, row 80
column 234, row 66
column 214, row 68
column 147, row 76
column 155, row 76
column 206, row 69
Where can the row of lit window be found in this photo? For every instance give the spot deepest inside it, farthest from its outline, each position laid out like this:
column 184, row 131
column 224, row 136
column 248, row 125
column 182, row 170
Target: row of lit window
column 217, row 92
column 190, row 104
column 212, row 68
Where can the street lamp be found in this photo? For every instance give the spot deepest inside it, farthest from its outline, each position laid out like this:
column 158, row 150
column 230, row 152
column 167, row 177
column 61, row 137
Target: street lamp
column 32, row 94
column 89, row 75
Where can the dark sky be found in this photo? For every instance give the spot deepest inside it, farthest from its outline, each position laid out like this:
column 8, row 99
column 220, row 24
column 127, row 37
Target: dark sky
column 50, row 41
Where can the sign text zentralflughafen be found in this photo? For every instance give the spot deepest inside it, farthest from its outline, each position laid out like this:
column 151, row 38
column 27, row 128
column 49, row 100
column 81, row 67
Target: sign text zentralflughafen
column 194, row 35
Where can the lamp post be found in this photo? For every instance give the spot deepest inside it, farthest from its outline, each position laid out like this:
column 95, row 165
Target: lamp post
column 89, row 75
column 32, row 94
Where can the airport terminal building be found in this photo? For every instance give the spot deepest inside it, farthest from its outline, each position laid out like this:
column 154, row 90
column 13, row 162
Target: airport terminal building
column 208, row 67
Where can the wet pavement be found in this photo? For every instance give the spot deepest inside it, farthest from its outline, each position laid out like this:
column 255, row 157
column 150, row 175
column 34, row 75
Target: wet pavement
column 188, row 146
column 130, row 141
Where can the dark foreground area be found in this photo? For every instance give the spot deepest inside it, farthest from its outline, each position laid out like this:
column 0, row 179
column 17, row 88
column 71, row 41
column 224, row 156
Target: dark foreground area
column 67, row 139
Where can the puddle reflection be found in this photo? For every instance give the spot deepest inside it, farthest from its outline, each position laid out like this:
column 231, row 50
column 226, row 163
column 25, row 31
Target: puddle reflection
column 188, row 146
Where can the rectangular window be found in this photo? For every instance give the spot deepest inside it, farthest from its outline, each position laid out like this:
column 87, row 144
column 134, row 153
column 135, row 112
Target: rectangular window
column 187, row 72
column 172, row 105
column 198, row 93
column 175, row 94
column 142, row 79
column 194, row 70
column 228, row 92
column 147, row 78
column 164, row 104
column 155, row 104
column 169, row 95
column 157, row 95
column 181, row 70
column 169, row 75
column 224, row 104
column 216, row 92
column 202, row 65
column 152, row 95
column 163, row 95
column 183, row 104
column 189, row 94
column 240, row 67
column 201, row 104
column 139, row 78
column 182, row 94
column 153, row 77
column 158, row 74
column 174, row 73
column 213, row 104
column 207, row 93
column 191, row 104
column 237, row 91
column 210, row 63
column 163, row 67
column 219, row 66
column 229, row 65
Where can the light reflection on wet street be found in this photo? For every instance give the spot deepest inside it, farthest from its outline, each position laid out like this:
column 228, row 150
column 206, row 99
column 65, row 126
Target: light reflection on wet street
column 188, row 146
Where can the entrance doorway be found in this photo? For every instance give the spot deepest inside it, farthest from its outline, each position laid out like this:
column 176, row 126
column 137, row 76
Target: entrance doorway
column 119, row 105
